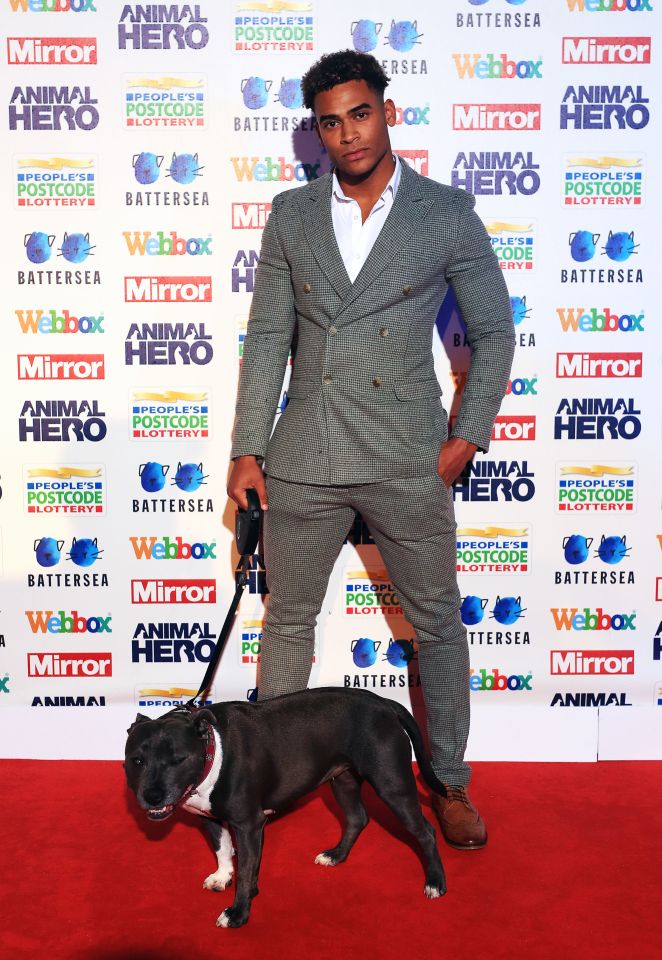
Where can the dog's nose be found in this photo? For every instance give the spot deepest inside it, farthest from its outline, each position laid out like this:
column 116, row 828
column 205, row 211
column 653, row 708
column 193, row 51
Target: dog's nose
column 153, row 795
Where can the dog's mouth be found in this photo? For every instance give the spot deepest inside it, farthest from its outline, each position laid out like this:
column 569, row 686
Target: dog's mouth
column 160, row 813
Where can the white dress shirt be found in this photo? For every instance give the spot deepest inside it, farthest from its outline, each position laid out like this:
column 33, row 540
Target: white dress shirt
column 355, row 239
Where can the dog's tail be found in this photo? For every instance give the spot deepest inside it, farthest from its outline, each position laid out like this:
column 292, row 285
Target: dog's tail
column 413, row 732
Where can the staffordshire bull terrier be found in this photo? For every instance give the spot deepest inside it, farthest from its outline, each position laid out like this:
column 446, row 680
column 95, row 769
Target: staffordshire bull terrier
column 236, row 763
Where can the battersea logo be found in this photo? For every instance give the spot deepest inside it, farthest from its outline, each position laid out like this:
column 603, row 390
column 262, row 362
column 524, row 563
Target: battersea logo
column 244, row 267
column 619, row 246
column 187, row 478
column 492, row 549
column 250, row 216
column 593, row 488
column 49, row 181
column 156, row 344
column 84, row 551
column 606, row 50
column 505, row 611
column 402, row 36
column 87, row 665
column 591, row 662
column 398, row 653
column 569, row 618
column 74, row 247
column 170, row 414
column 513, row 244
column 596, row 180
column 491, row 481
column 274, row 169
column 53, row 51
column 43, row 621
column 498, row 681
column 161, row 26
column 183, row 169
column 57, row 321
column 60, row 421
column 496, row 17
column 173, row 643
column 173, row 591
column 599, row 320
column 496, row 66
column 255, row 93
column 611, row 550
column 615, row 366
column 63, row 366
column 604, row 108
column 496, row 116
column 162, row 289
column 65, row 489
column 165, row 102
column 369, row 592
column 171, row 548
column 284, row 26
column 53, row 108
column 496, row 174
column 597, row 418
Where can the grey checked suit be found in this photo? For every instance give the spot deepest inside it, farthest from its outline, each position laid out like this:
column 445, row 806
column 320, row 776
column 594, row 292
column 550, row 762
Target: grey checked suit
column 364, row 422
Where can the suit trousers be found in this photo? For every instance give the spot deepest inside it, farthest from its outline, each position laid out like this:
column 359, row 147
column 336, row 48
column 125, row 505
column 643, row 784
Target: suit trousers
column 411, row 520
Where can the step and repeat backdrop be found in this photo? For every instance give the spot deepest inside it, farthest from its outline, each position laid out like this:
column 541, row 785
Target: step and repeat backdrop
column 142, row 147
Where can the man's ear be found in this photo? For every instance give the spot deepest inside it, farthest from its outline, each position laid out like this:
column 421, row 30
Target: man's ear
column 389, row 112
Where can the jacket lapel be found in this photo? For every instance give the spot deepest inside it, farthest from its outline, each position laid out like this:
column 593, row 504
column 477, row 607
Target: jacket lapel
column 318, row 229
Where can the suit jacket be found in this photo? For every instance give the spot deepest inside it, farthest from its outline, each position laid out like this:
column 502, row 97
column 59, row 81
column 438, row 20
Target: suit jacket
column 363, row 401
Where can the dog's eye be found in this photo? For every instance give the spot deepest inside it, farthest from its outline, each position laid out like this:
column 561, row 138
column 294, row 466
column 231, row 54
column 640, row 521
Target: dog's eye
column 138, row 761
column 177, row 760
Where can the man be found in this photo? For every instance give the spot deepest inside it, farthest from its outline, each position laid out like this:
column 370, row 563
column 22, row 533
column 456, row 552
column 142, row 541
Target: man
column 353, row 268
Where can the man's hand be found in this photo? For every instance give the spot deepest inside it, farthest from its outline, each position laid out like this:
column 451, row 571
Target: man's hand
column 247, row 473
column 453, row 457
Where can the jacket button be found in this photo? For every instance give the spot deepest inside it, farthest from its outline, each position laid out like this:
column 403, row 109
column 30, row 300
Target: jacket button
column 333, row 331
column 383, row 331
column 377, row 382
column 327, row 379
column 406, row 291
column 307, row 288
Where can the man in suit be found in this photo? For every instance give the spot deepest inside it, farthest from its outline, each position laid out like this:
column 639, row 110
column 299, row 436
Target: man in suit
column 353, row 269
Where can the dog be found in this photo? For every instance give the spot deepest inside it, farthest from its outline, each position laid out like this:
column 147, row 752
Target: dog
column 237, row 763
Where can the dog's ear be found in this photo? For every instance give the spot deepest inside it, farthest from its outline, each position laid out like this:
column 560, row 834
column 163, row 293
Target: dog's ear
column 200, row 717
column 140, row 718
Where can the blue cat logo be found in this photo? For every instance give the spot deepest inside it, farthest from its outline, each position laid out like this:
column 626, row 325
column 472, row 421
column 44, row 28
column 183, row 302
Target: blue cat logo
column 364, row 34
column 255, row 91
column 84, row 551
column 520, row 309
column 76, row 247
column 403, row 36
column 152, row 476
column 612, row 549
column 620, row 246
column 582, row 245
column 189, row 477
column 290, row 94
column 184, row 167
column 399, row 653
column 47, row 551
column 146, row 167
column 364, row 651
column 38, row 246
column 507, row 610
column 575, row 548
column 472, row 610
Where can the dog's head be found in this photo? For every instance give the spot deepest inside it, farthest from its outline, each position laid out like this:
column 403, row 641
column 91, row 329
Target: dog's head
column 164, row 758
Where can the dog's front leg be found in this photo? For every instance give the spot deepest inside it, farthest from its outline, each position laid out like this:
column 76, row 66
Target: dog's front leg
column 222, row 842
column 248, row 838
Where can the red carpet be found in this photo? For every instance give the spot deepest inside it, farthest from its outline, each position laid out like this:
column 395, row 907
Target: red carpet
column 572, row 868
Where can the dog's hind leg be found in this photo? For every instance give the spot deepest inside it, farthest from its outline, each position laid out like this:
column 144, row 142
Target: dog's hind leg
column 222, row 843
column 347, row 791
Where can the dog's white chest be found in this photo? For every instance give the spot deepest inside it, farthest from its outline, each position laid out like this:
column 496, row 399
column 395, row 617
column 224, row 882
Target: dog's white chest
column 199, row 801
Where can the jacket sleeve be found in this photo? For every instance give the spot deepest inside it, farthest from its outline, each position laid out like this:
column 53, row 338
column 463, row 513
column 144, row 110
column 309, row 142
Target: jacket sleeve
column 271, row 326
column 480, row 289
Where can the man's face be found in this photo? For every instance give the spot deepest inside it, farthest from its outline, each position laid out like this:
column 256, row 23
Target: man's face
column 353, row 123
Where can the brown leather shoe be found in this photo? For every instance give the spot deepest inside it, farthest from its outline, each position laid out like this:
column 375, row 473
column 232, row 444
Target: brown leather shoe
column 461, row 824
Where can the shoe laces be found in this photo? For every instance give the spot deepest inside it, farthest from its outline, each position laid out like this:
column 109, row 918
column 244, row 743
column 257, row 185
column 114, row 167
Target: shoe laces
column 457, row 793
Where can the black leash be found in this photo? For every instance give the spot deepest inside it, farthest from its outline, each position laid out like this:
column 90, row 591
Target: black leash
column 247, row 534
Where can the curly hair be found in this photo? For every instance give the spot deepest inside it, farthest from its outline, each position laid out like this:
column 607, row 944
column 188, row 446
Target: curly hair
column 341, row 67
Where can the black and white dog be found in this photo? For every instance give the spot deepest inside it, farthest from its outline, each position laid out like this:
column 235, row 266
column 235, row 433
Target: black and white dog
column 236, row 763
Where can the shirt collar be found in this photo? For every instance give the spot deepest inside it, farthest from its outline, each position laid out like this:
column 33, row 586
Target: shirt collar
column 392, row 185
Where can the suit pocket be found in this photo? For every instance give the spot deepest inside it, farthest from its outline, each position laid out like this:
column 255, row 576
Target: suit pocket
column 300, row 388
column 416, row 389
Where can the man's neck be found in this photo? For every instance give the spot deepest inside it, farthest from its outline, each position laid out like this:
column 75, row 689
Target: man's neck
column 367, row 190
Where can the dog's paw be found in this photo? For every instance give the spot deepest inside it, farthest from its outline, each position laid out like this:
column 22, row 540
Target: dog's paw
column 232, row 917
column 325, row 860
column 218, row 881
column 432, row 892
